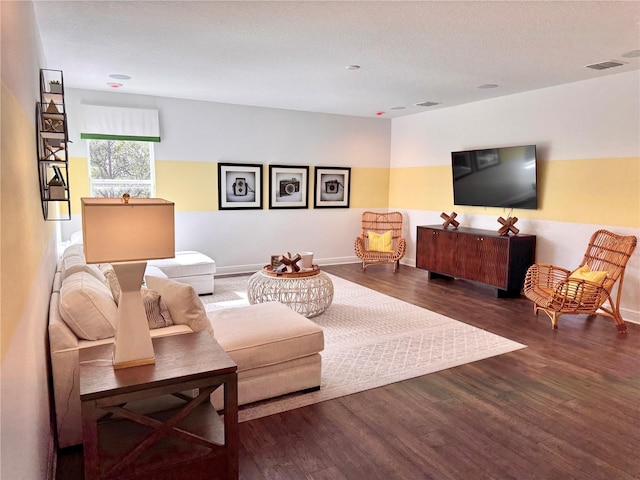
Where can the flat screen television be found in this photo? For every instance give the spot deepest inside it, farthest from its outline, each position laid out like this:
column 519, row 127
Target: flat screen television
column 496, row 177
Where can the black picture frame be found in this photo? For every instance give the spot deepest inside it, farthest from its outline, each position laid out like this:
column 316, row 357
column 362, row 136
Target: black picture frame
column 288, row 186
column 239, row 186
column 332, row 187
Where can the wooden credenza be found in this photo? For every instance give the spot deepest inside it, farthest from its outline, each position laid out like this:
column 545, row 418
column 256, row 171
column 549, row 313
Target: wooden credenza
column 479, row 255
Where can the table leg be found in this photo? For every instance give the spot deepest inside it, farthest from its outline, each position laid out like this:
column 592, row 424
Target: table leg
column 231, row 438
column 90, row 440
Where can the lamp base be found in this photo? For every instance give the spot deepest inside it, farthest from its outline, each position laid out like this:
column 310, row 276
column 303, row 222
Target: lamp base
column 133, row 363
column 132, row 346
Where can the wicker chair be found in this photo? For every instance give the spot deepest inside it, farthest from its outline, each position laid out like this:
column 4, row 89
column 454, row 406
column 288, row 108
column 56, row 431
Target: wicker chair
column 381, row 223
column 553, row 291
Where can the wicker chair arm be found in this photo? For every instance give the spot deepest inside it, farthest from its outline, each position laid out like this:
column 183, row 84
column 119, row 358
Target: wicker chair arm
column 542, row 275
column 401, row 248
column 359, row 247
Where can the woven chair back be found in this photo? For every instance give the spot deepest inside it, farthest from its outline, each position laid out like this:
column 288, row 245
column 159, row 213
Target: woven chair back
column 610, row 253
column 381, row 223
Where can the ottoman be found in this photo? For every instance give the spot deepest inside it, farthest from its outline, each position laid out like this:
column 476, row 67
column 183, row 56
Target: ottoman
column 276, row 349
column 193, row 268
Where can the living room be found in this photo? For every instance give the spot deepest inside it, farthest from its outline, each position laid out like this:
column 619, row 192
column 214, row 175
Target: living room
column 588, row 150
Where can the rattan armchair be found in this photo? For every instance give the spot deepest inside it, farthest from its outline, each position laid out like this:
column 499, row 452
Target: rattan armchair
column 553, row 291
column 381, row 223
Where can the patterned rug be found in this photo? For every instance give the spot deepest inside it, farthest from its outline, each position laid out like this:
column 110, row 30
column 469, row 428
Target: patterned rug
column 371, row 340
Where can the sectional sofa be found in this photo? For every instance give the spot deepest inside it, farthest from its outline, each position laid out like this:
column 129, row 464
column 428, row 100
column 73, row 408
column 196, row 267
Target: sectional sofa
column 276, row 349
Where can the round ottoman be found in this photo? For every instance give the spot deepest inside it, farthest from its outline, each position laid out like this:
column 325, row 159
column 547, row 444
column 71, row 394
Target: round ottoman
column 307, row 295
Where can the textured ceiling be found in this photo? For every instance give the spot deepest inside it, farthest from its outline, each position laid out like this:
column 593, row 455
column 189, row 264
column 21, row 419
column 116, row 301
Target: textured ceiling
column 293, row 55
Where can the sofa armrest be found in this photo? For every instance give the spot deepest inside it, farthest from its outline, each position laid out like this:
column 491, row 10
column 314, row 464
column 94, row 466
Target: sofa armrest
column 61, row 337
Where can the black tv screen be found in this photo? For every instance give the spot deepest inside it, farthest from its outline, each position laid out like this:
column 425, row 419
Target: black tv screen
column 496, row 177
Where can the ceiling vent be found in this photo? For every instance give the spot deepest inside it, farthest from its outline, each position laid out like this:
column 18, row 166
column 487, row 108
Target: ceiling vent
column 426, row 104
column 605, row 65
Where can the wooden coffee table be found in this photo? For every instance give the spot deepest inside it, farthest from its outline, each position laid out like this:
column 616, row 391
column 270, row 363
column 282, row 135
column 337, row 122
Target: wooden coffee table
column 184, row 435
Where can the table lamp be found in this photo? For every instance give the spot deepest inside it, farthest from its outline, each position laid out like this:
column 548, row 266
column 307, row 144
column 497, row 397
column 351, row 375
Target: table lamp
column 127, row 232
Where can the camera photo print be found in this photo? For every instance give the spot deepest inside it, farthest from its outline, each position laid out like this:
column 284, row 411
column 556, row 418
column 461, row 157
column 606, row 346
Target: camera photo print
column 288, row 186
column 239, row 186
column 332, row 187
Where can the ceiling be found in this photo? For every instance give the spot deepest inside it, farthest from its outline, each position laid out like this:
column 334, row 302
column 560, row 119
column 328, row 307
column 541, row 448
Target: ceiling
column 293, row 55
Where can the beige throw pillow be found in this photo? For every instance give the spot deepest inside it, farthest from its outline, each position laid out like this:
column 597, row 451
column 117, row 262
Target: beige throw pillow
column 158, row 314
column 182, row 301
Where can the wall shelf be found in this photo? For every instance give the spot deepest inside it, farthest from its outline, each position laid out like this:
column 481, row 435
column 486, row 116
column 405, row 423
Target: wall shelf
column 52, row 139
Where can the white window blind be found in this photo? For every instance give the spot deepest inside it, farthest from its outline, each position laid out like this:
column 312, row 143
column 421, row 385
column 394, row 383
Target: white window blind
column 118, row 123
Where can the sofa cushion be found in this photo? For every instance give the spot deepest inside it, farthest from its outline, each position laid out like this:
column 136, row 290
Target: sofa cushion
column 73, row 261
column 87, row 307
column 182, row 301
column 265, row 334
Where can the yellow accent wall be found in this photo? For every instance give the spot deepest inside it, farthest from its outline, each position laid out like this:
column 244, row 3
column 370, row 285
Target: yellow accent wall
column 193, row 186
column 369, row 187
column 598, row 191
column 78, row 182
column 24, row 234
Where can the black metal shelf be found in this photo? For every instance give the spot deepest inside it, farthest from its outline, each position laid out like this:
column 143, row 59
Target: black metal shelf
column 52, row 140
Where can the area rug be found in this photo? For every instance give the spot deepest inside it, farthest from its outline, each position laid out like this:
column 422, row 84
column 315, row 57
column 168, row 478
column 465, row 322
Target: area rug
column 371, row 340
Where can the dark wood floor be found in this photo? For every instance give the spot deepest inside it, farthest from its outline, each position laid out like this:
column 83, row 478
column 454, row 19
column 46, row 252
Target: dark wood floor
column 566, row 407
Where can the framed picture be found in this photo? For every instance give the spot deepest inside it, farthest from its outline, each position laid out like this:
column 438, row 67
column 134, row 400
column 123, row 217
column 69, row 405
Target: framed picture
column 288, row 186
column 332, row 187
column 239, row 186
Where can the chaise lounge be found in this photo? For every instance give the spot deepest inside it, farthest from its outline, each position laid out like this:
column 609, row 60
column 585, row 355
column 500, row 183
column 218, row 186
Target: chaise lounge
column 276, row 349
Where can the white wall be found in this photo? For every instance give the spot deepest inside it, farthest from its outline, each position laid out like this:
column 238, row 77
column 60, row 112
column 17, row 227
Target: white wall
column 28, row 258
column 597, row 118
column 213, row 132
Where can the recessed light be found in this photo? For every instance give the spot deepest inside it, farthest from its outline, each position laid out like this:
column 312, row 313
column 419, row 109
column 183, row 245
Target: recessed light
column 114, row 84
column 353, row 67
column 486, row 86
column 397, row 108
column 119, row 76
column 631, row 54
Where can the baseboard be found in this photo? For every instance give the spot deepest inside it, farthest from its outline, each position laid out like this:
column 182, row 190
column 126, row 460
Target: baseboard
column 630, row 316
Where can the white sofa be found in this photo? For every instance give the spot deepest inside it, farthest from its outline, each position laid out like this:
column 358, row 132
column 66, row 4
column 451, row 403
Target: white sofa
column 276, row 349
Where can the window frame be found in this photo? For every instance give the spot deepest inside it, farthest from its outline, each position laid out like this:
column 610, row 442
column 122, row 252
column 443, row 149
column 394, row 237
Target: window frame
column 151, row 183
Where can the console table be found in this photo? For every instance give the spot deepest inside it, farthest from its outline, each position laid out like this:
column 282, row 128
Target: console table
column 483, row 256
column 183, row 435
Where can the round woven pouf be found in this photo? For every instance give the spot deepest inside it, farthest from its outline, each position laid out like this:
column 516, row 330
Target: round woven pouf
column 309, row 295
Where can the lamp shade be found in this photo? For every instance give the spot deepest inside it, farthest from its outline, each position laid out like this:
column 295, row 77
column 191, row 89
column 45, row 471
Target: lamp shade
column 115, row 231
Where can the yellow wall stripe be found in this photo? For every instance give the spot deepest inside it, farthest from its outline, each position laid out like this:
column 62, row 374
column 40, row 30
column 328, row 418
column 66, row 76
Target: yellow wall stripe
column 369, row 188
column 598, row 191
column 24, row 233
column 193, row 186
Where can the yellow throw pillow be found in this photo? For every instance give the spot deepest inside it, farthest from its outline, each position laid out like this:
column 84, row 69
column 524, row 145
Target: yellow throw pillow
column 585, row 273
column 380, row 242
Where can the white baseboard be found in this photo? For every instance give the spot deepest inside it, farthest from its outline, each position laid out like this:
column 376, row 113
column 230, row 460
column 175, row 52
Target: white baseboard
column 630, row 316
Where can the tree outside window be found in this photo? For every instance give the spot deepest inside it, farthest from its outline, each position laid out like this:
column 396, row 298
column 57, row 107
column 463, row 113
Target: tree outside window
column 118, row 166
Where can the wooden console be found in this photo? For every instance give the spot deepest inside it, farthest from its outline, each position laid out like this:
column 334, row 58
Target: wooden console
column 479, row 255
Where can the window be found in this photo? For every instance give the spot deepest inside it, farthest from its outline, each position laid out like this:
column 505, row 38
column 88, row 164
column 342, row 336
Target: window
column 118, row 166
